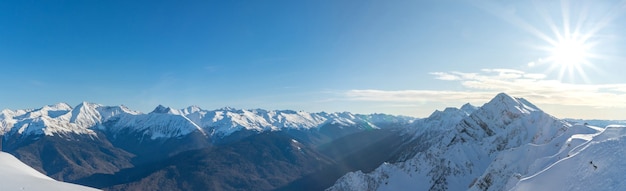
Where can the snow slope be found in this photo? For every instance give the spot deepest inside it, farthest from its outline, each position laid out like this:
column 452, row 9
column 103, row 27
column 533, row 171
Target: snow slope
column 505, row 141
column 15, row 175
column 597, row 164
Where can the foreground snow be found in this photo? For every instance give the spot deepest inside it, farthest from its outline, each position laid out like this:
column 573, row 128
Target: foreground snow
column 15, row 175
column 597, row 164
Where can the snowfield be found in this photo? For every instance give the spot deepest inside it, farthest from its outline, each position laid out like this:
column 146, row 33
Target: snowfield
column 598, row 165
column 15, row 175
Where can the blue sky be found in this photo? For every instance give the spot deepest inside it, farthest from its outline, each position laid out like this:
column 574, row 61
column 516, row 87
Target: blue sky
column 398, row 57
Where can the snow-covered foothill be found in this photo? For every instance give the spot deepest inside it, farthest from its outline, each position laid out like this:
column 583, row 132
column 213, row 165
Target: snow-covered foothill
column 15, row 175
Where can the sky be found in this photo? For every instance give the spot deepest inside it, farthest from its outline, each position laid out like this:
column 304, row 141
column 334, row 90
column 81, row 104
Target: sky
column 399, row 57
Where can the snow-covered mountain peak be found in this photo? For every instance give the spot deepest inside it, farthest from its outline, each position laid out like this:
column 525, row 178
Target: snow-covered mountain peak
column 504, row 102
column 107, row 112
column 57, row 107
column 85, row 107
column 6, row 113
column 88, row 104
column 191, row 109
column 440, row 120
column 450, row 113
column 495, row 116
column 469, row 108
column 450, row 109
column 51, row 120
column 185, row 111
column 60, row 119
column 86, row 115
column 162, row 109
column 437, row 113
column 506, row 117
column 51, row 111
column 227, row 109
column 162, row 122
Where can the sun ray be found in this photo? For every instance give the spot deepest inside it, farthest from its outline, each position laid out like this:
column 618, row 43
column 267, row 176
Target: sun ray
column 570, row 47
column 566, row 17
column 570, row 35
column 582, row 73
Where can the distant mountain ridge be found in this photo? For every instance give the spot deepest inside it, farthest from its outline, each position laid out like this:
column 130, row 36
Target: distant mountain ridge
column 164, row 122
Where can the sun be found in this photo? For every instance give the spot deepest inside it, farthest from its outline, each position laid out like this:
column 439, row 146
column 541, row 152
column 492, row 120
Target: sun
column 569, row 52
column 572, row 41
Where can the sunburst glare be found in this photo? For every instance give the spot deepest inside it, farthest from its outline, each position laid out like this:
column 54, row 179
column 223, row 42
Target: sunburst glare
column 569, row 54
column 569, row 37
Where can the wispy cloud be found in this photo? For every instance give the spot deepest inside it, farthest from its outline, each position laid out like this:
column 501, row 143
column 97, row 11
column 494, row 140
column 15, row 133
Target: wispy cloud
column 480, row 87
column 445, row 76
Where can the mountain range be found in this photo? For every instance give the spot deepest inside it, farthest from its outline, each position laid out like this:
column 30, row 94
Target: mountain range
column 506, row 144
column 116, row 148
